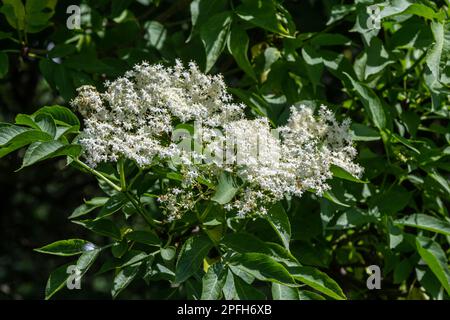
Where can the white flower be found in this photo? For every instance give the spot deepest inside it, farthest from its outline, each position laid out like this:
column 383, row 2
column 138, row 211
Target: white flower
column 136, row 116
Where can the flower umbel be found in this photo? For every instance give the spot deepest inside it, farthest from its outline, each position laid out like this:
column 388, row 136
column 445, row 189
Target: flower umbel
column 137, row 115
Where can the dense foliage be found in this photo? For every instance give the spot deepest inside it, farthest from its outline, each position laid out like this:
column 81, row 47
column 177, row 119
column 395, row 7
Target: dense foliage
column 387, row 68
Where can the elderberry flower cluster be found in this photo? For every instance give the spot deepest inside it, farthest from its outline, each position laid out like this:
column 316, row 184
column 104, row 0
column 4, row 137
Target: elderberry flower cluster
column 137, row 113
column 137, row 116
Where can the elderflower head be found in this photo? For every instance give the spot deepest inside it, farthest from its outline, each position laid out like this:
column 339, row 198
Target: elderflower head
column 137, row 112
column 138, row 116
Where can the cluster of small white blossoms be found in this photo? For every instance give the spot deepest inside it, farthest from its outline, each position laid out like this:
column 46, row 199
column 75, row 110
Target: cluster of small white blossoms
column 138, row 113
column 289, row 160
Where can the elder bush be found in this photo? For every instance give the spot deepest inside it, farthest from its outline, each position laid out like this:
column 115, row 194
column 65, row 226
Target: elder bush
column 243, row 149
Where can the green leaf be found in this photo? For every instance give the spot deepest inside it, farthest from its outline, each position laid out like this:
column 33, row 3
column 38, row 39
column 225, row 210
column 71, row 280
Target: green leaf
column 377, row 58
column 168, row 253
column 247, row 243
column 342, row 174
column 229, row 290
column 46, row 123
column 264, row 268
column 226, row 189
column 441, row 182
column 352, row 218
column 433, row 255
column 313, row 64
column 214, row 35
column 124, row 278
column 145, row 237
column 103, row 227
column 68, row 247
column 155, row 34
column 309, row 295
column 330, row 39
column 202, row 10
column 405, row 142
column 213, row 282
column 245, row 291
column 87, row 207
column 340, row 11
column 21, row 136
column 114, row 204
column 371, row 102
column 361, row 132
column 39, row 151
column 58, row 278
column 8, row 132
column 282, row 292
column 329, row 195
column 63, row 82
column 61, row 115
column 317, row 280
column 14, row 12
column 439, row 54
column 264, row 14
column 119, row 248
column 26, row 120
column 191, row 256
column 279, row 221
column 4, row 64
column 238, row 47
column 426, row 222
column 38, row 14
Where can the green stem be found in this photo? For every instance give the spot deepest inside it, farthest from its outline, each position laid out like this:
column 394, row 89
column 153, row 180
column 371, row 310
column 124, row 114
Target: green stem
column 98, row 174
column 139, row 210
column 123, row 183
column 135, row 203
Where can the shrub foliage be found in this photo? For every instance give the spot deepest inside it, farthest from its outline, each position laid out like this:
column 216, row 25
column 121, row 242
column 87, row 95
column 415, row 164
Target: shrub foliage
column 386, row 66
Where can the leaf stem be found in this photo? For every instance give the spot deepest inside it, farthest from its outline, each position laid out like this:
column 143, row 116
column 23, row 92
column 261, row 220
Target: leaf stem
column 123, row 183
column 97, row 174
